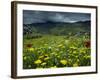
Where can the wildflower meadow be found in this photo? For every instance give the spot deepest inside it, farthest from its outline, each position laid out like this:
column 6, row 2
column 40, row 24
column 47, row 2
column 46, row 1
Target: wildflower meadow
column 56, row 51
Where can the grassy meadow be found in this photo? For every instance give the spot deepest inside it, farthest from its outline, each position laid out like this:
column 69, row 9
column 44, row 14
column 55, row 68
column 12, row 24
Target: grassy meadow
column 56, row 51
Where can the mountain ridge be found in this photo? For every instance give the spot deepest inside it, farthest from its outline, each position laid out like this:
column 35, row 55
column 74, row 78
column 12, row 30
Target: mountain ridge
column 50, row 26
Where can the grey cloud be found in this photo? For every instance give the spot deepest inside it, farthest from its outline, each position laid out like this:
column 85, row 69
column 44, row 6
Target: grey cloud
column 43, row 16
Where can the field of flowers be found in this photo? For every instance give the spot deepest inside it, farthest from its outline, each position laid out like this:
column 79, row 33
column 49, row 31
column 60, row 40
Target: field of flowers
column 52, row 51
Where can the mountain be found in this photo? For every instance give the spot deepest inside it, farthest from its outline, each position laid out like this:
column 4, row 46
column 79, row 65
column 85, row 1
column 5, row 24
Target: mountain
column 51, row 27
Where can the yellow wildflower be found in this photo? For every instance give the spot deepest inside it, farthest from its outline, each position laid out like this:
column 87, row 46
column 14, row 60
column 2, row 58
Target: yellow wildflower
column 73, row 47
column 44, row 63
column 82, row 50
column 64, row 62
column 74, row 52
column 38, row 61
column 46, row 55
column 46, row 58
column 60, row 45
column 40, row 57
column 87, row 57
column 31, row 49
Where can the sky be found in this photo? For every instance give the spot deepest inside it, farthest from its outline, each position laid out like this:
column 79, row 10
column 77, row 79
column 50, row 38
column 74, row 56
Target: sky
column 30, row 16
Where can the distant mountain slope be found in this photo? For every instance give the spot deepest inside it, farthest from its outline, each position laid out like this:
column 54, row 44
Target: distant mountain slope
column 50, row 27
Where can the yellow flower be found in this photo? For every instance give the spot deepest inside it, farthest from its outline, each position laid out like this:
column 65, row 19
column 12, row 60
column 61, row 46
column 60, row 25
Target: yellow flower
column 64, row 62
column 60, row 45
column 73, row 47
column 46, row 58
column 87, row 57
column 41, row 57
column 31, row 49
column 63, row 47
column 38, row 61
column 44, row 63
column 74, row 52
column 82, row 50
column 46, row 55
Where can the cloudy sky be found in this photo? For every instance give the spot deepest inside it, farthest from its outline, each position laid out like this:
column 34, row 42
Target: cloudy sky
column 30, row 16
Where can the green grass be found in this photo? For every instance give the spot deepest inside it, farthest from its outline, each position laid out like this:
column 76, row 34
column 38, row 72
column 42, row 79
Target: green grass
column 52, row 51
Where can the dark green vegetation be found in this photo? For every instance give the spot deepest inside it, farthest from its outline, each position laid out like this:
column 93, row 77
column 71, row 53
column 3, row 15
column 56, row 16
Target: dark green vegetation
column 51, row 45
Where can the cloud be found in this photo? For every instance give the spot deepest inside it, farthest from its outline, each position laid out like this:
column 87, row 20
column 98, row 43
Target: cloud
column 44, row 16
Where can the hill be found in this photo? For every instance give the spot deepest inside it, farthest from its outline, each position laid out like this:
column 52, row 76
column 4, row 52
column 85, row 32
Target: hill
column 57, row 28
